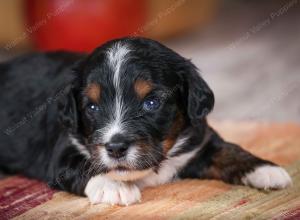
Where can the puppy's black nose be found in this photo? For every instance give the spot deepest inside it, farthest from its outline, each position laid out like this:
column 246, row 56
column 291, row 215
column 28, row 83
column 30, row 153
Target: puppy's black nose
column 117, row 147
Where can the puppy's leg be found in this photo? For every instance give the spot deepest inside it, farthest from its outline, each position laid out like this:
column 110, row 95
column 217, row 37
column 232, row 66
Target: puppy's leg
column 230, row 163
column 101, row 189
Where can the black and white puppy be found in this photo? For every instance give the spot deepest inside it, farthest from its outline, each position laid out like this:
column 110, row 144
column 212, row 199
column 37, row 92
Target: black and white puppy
column 130, row 115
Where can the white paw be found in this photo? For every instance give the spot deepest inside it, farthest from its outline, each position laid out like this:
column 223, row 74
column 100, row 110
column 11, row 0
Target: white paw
column 268, row 177
column 101, row 189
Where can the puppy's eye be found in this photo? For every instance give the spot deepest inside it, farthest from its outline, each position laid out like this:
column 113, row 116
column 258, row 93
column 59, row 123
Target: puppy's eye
column 93, row 107
column 151, row 104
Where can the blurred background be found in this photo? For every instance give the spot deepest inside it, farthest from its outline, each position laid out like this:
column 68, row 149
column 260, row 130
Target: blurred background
column 247, row 51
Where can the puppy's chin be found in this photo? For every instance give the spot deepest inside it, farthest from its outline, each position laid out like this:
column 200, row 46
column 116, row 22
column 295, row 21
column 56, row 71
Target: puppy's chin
column 127, row 175
column 126, row 169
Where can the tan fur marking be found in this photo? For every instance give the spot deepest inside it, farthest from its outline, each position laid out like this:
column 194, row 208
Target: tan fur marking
column 174, row 132
column 93, row 91
column 142, row 87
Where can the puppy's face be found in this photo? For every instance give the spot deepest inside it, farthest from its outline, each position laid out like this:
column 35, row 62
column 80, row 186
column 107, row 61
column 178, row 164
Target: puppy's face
column 135, row 98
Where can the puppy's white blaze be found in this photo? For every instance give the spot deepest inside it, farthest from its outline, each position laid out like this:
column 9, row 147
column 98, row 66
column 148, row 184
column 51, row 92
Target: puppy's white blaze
column 117, row 57
column 81, row 148
column 168, row 170
column 112, row 129
column 268, row 177
column 101, row 189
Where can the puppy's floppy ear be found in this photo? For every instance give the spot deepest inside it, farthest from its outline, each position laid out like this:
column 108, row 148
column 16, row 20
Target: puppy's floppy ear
column 199, row 97
column 68, row 111
column 68, row 103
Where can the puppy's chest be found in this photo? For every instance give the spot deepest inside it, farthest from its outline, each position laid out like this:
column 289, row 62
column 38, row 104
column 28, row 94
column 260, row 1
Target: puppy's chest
column 168, row 170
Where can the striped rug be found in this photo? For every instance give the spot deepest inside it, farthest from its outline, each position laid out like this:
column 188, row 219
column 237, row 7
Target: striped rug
column 22, row 198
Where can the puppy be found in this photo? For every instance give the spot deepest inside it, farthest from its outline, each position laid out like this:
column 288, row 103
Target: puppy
column 132, row 114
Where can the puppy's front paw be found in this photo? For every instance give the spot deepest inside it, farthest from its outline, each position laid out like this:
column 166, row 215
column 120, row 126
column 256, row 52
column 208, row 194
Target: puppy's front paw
column 268, row 177
column 101, row 189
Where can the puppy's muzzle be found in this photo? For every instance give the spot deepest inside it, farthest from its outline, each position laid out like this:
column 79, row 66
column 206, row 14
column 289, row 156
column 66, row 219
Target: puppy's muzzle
column 117, row 147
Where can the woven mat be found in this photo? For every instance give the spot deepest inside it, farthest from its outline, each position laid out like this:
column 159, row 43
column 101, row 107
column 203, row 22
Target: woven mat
column 22, row 198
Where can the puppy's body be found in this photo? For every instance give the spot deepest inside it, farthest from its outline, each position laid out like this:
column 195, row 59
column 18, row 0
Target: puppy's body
column 31, row 88
column 130, row 115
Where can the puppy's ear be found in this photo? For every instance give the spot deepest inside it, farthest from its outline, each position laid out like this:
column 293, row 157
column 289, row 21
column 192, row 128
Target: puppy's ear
column 68, row 104
column 199, row 97
column 68, row 112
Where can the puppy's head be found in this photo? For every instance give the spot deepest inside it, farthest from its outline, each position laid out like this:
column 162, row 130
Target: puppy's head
column 133, row 99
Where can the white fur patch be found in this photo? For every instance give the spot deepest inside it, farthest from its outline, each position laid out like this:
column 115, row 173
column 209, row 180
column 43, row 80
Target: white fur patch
column 173, row 164
column 116, row 58
column 109, row 162
column 101, row 189
column 268, row 177
column 167, row 171
column 132, row 155
column 81, row 148
column 115, row 127
column 177, row 146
